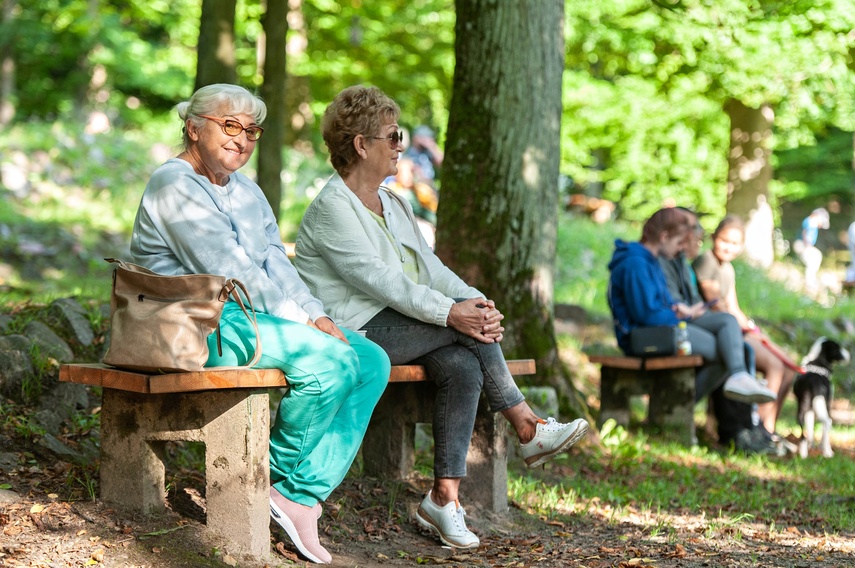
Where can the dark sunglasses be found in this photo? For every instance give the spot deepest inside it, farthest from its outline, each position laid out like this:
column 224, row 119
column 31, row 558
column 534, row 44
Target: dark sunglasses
column 234, row 128
column 394, row 139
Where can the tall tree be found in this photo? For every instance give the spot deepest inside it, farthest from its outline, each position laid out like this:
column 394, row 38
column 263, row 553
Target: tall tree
column 216, row 63
column 497, row 216
column 273, row 91
column 7, row 62
column 748, row 175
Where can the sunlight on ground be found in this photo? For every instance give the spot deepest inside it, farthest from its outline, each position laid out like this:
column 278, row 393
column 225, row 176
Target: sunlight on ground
column 685, row 528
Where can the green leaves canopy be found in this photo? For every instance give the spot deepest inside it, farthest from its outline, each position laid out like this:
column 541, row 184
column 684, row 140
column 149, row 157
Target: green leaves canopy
column 646, row 83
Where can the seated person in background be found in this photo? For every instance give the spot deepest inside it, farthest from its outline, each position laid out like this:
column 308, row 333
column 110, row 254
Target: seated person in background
column 735, row 423
column 198, row 215
column 422, row 197
column 361, row 252
column 426, row 154
column 639, row 297
column 717, row 281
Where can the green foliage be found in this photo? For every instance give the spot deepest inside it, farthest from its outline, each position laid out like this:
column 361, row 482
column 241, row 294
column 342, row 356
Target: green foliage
column 646, row 84
column 143, row 53
column 78, row 208
column 819, row 171
column 404, row 47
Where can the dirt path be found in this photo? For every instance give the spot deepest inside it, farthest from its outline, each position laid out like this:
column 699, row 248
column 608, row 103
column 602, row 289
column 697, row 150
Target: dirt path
column 367, row 524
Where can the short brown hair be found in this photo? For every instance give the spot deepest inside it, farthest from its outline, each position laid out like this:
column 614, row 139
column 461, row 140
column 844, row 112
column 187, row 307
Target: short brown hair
column 670, row 220
column 729, row 222
column 356, row 110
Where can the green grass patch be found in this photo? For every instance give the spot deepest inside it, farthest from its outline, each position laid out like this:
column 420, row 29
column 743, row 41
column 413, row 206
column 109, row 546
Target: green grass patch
column 667, row 484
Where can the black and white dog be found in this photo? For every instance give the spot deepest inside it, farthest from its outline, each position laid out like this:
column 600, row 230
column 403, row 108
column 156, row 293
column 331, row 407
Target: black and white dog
column 813, row 393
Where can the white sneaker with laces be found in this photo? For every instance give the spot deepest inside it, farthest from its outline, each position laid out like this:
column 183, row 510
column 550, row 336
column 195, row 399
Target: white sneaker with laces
column 745, row 388
column 551, row 438
column 447, row 522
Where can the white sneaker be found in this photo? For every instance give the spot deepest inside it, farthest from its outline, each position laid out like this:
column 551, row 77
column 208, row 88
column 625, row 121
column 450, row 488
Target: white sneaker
column 447, row 522
column 551, row 438
column 745, row 388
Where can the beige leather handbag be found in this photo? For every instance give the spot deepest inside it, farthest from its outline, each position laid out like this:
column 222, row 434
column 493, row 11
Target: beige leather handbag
column 161, row 324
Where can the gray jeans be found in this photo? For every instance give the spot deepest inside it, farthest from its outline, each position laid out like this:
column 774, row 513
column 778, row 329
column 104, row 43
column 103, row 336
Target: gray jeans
column 717, row 337
column 461, row 367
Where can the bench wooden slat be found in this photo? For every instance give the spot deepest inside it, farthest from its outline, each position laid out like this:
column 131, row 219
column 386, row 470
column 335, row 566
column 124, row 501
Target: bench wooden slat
column 98, row 374
column 101, row 375
column 650, row 364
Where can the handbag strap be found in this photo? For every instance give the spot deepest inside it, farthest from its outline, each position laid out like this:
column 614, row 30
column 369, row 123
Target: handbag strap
column 234, row 288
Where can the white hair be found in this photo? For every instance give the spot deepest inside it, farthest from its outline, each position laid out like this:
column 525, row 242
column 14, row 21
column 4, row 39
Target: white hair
column 220, row 99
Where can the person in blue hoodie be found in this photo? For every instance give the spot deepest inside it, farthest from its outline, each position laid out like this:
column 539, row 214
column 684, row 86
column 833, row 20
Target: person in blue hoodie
column 639, row 297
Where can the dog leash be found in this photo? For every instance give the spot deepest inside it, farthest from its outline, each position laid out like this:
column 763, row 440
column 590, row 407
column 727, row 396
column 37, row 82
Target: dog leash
column 776, row 351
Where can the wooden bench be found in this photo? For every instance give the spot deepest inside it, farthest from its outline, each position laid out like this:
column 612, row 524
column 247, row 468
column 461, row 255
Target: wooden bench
column 228, row 410
column 670, row 382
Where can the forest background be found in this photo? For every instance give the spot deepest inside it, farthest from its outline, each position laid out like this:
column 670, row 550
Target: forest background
column 711, row 104
column 720, row 106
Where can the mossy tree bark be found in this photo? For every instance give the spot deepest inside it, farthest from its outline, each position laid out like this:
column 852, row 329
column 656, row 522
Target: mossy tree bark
column 498, row 211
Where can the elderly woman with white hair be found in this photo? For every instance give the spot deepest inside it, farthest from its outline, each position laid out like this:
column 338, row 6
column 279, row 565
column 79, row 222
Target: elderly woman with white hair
column 198, row 215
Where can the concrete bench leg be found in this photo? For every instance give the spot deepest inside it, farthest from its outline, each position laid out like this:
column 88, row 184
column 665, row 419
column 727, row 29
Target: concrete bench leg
column 388, row 450
column 234, row 425
column 672, row 403
column 614, row 395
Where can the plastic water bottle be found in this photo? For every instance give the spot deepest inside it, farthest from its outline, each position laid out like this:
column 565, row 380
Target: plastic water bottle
column 684, row 346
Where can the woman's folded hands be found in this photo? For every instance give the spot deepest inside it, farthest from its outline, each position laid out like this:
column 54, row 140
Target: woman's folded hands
column 477, row 318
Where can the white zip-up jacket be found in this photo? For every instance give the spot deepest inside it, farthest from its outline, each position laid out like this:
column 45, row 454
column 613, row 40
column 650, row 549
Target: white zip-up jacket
column 351, row 265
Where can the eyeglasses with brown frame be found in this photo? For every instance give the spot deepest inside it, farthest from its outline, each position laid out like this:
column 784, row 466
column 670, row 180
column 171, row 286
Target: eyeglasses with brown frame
column 234, row 128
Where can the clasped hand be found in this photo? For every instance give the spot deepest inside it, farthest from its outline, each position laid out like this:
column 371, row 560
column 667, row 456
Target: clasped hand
column 478, row 318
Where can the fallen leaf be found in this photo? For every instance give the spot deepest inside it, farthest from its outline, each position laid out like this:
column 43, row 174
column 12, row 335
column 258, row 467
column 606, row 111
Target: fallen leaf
column 280, row 548
column 37, row 508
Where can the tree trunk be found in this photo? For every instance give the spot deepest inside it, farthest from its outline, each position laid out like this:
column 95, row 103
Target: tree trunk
column 7, row 62
column 299, row 93
column 216, row 50
column 749, row 172
column 275, row 25
column 498, row 212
